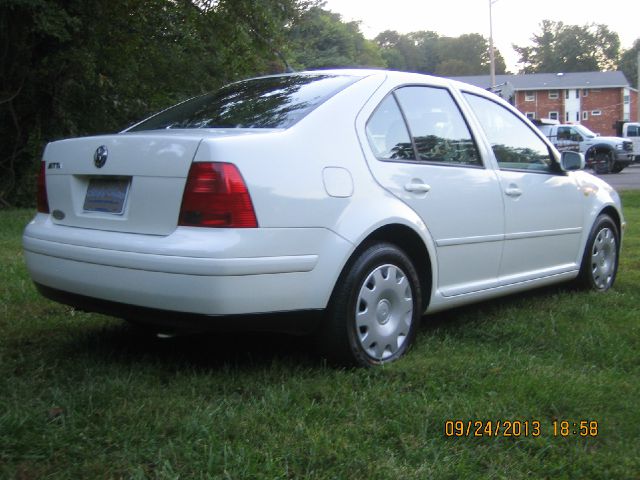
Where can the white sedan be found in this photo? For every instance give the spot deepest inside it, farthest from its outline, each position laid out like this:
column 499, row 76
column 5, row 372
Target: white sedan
column 368, row 197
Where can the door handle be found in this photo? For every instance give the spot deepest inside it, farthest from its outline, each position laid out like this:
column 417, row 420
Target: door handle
column 416, row 187
column 513, row 191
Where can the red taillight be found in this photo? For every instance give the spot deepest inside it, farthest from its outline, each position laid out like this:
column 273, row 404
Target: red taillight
column 42, row 201
column 216, row 196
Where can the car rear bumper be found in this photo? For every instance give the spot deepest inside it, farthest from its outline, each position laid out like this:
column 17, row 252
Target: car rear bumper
column 167, row 321
column 198, row 271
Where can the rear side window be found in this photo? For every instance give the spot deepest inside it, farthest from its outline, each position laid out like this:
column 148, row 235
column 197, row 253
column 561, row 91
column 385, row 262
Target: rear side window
column 387, row 132
column 269, row 102
column 437, row 126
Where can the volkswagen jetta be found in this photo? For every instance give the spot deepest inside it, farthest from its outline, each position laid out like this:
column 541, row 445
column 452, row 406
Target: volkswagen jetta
column 371, row 197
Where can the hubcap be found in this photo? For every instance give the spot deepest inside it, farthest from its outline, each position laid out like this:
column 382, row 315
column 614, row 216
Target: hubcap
column 384, row 311
column 603, row 258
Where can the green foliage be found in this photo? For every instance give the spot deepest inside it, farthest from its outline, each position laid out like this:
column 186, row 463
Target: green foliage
column 82, row 67
column 428, row 52
column 570, row 48
column 629, row 63
column 320, row 39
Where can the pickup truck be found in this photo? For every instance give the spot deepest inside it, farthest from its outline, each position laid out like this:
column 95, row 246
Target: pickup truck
column 603, row 154
column 630, row 131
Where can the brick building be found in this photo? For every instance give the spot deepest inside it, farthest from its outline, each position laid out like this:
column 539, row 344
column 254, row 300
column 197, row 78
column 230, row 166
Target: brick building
column 595, row 99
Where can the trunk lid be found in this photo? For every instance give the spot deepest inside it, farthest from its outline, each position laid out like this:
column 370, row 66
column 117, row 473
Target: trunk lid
column 122, row 182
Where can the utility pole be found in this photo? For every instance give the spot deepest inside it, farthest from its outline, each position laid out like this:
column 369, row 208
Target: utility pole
column 492, row 56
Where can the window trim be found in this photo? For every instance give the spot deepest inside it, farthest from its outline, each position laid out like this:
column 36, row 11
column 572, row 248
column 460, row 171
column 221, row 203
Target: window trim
column 596, row 113
column 530, row 96
column 417, row 160
column 554, row 95
column 557, row 115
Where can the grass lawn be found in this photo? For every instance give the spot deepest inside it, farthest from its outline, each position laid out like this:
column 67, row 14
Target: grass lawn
column 86, row 396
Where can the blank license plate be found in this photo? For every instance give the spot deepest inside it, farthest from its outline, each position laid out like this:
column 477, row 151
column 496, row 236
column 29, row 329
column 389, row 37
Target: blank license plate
column 106, row 195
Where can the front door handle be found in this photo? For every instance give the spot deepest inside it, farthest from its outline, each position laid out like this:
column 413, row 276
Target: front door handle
column 417, row 187
column 513, row 191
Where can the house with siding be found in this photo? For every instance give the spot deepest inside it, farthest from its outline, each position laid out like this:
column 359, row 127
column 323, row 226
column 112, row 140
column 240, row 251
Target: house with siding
column 596, row 100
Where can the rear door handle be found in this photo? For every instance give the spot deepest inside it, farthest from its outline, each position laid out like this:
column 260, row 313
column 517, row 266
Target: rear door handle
column 417, row 187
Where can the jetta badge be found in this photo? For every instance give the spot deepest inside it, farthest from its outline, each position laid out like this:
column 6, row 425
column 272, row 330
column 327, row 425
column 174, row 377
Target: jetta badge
column 100, row 157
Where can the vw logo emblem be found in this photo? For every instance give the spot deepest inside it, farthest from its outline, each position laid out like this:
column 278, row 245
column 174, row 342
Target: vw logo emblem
column 100, row 157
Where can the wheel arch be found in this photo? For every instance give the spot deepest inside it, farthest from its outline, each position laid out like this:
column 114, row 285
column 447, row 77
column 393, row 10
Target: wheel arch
column 410, row 242
column 615, row 216
column 598, row 148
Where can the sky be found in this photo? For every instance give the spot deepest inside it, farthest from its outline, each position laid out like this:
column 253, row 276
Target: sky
column 514, row 21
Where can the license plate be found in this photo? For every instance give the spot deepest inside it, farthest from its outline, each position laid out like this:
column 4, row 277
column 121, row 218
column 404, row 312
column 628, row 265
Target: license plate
column 106, row 195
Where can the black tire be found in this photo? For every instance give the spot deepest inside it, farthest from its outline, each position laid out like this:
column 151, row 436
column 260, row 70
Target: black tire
column 383, row 278
column 618, row 167
column 600, row 259
column 602, row 163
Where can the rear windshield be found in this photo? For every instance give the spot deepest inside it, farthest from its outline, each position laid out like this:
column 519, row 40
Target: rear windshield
column 268, row 102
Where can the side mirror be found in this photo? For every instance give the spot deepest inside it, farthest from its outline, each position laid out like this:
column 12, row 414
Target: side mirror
column 571, row 161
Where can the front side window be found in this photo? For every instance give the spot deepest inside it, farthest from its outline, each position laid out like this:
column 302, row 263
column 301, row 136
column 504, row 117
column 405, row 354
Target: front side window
column 437, row 127
column 569, row 133
column 267, row 102
column 514, row 144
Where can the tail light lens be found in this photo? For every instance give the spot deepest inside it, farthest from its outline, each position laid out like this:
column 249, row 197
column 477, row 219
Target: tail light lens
column 216, row 196
column 41, row 199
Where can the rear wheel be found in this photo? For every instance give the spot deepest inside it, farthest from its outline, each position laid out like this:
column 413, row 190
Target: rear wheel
column 600, row 259
column 374, row 310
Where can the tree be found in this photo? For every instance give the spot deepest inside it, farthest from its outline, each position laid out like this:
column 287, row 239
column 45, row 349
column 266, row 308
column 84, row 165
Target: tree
column 570, row 48
column 466, row 55
column 320, row 39
column 428, row 52
column 629, row 63
column 77, row 67
column 411, row 52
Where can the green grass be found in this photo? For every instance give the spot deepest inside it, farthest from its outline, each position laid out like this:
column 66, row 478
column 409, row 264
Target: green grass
column 86, row 396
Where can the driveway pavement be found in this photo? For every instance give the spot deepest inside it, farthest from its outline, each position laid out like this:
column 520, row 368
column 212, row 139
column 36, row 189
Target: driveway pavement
column 628, row 179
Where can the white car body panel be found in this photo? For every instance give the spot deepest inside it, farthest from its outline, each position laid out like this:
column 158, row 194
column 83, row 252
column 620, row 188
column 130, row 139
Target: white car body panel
column 318, row 192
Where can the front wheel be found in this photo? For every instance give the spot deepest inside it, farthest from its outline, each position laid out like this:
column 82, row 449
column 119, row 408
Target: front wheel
column 600, row 259
column 374, row 310
column 618, row 167
column 602, row 163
